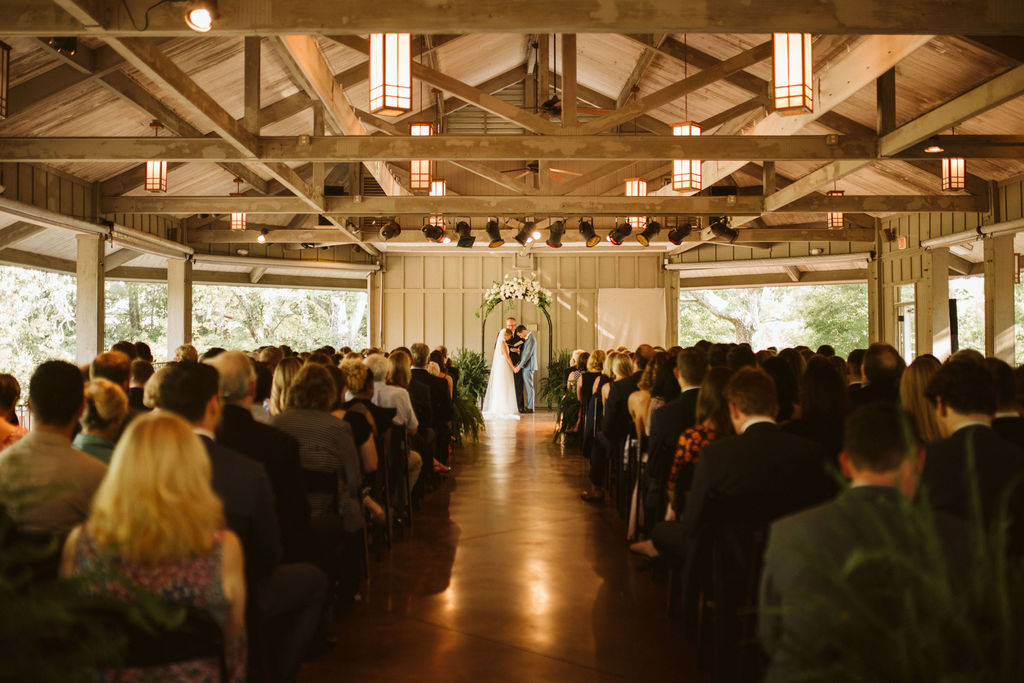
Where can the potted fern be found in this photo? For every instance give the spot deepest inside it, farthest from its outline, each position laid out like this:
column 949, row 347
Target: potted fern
column 466, row 417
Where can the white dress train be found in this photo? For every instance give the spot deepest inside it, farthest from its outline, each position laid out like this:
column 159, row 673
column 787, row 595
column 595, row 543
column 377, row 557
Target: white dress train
column 500, row 398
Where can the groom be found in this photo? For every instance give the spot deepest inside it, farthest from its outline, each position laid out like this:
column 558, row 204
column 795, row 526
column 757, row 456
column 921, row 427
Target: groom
column 527, row 365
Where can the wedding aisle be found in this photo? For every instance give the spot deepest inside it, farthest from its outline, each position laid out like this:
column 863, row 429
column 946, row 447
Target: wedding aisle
column 508, row 576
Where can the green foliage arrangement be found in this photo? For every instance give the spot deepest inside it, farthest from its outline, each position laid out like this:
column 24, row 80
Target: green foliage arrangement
column 466, row 418
column 473, row 373
column 911, row 607
column 557, row 396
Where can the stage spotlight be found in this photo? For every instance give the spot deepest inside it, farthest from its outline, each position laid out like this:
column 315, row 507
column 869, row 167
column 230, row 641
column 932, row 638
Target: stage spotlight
column 494, row 232
column 262, row 237
column 199, row 15
column 465, row 232
column 64, row 45
column 679, row 233
column 652, row 229
column 588, row 232
column 620, row 233
column 434, row 233
column 525, row 234
column 390, row 230
column 720, row 228
column 555, row 233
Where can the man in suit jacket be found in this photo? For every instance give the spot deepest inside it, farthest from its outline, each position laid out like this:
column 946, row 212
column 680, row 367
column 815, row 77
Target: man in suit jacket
column 440, row 400
column 883, row 368
column 801, row 613
column 527, row 365
column 1007, row 421
column 676, row 416
column 752, row 478
column 276, row 451
column 295, row 593
column 963, row 394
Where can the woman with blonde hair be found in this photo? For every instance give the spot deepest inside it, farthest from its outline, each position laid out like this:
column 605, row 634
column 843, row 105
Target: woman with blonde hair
column 912, row 397
column 284, row 375
column 157, row 523
column 105, row 409
column 186, row 353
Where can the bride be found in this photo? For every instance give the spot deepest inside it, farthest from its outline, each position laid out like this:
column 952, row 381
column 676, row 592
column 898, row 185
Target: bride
column 500, row 398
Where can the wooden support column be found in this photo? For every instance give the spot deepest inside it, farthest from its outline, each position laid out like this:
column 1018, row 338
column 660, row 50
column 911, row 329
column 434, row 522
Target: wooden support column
column 999, row 309
column 179, row 304
column 885, row 101
column 932, row 305
column 875, row 325
column 374, row 319
column 89, row 310
column 319, row 170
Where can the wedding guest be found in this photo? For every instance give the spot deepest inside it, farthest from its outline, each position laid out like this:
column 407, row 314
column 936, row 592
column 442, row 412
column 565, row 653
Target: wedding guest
column 156, row 523
column 143, row 352
column 284, row 375
column 389, row 392
column 261, row 392
column 589, row 401
column 964, row 397
column 639, row 402
column 10, row 392
column 449, row 368
column 141, row 371
column 127, row 348
column 883, row 368
column 106, row 407
column 786, row 385
column 440, row 400
column 1007, row 421
column 797, row 363
column 61, row 479
column 271, row 355
column 442, row 370
column 913, row 398
column 186, row 352
column 151, row 392
column 615, row 424
column 823, row 406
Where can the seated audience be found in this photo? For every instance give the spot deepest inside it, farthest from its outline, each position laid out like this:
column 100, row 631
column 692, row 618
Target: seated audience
column 752, row 478
column 10, row 392
column 440, row 404
column 615, row 422
column 141, row 371
column 156, row 523
column 639, row 402
column 143, row 352
column 964, row 397
column 390, row 379
column 803, row 613
column 127, row 348
column 787, row 384
column 106, row 408
column 442, row 367
column 46, row 484
column 151, row 392
column 913, row 399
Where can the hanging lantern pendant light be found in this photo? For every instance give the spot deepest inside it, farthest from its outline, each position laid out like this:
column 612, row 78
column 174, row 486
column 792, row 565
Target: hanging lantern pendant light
column 156, row 170
column 686, row 173
column 792, row 88
column 390, row 73
column 238, row 217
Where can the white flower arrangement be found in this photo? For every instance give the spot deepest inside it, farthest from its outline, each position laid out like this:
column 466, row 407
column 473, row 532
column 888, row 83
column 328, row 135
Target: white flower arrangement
column 516, row 287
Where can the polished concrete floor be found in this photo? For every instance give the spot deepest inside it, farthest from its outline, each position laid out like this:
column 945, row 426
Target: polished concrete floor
column 508, row 576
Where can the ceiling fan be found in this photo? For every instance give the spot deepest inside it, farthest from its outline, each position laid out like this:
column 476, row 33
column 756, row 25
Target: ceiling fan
column 534, row 167
column 553, row 108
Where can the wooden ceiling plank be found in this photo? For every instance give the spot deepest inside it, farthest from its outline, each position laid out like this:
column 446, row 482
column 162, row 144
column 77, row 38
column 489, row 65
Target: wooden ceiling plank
column 18, row 232
column 118, row 258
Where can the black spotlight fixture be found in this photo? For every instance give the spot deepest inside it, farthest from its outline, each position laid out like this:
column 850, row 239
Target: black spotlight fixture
column 720, row 228
column 588, row 232
column 434, row 233
column 525, row 234
column 652, row 229
column 680, row 233
column 555, row 232
column 465, row 232
column 620, row 233
column 494, row 232
column 67, row 45
column 390, row 230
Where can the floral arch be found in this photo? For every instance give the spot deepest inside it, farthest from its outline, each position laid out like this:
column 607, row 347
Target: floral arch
column 511, row 288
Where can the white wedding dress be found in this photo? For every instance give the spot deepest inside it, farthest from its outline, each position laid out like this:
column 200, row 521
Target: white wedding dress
column 500, row 397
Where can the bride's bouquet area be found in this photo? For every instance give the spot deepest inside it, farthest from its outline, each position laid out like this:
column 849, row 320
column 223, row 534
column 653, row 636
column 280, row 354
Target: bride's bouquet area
column 516, row 287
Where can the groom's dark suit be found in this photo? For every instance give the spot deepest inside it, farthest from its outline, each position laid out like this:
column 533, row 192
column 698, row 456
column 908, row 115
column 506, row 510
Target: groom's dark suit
column 515, row 347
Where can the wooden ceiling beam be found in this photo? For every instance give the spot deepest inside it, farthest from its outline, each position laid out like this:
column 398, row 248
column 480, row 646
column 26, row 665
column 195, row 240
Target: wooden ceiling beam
column 18, row 232
column 118, row 258
column 543, row 205
column 643, row 63
column 336, row 149
column 672, row 92
column 236, row 17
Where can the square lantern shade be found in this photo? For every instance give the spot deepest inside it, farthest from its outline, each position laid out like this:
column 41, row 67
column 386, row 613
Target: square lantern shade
column 420, row 169
column 156, row 176
column 390, row 73
column 238, row 220
column 954, row 174
column 636, row 187
column 5, row 77
column 686, row 172
column 835, row 218
column 437, row 189
column 792, row 90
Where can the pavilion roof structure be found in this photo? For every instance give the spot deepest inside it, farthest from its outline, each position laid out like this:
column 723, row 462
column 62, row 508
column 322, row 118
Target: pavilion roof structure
column 277, row 96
